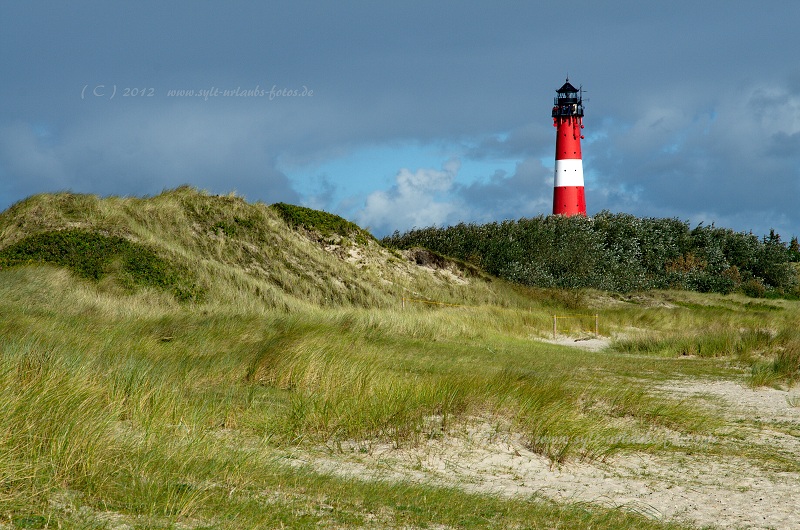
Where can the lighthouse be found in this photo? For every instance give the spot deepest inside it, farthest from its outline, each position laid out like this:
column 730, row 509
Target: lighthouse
column 568, row 194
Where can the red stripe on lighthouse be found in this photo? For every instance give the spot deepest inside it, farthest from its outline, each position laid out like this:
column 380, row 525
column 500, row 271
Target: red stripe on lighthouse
column 568, row 138
column 569, row 200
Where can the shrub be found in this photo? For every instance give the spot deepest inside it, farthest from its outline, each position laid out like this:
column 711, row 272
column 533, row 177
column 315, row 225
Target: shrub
column 92, row 255
column 616, row 252
column 325, row 223
column 753, row 287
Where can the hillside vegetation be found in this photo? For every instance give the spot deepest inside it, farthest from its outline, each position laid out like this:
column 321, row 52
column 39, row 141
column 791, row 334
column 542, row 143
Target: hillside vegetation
column 197, row 361
column 218, row 249
column 618, row 252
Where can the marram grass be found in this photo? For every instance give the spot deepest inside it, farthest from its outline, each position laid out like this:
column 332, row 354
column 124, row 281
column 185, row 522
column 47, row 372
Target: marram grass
column 134, row 408
column 136, row 411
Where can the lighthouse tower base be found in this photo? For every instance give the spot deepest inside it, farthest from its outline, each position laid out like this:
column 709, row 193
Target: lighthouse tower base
column 569, row 200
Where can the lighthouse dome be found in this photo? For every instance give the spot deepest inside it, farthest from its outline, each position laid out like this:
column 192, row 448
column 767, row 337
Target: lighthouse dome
column 567, row 88
column 567, row 94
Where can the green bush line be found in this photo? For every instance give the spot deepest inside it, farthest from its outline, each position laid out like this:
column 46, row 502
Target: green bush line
column 93, row 256
column 617, row 252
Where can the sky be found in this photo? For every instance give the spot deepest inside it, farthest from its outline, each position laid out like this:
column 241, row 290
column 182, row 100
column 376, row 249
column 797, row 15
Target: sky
column 408, row 114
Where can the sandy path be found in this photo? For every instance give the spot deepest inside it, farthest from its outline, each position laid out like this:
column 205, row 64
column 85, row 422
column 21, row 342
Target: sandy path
column 589, row 342
column 726, row 492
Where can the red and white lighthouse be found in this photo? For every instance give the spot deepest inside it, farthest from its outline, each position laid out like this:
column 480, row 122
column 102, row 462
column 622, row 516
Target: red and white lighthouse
column 568, row 194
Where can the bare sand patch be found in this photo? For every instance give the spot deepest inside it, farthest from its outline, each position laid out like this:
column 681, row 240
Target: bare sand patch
column 736, row 401
column 587, row 342
column 698, row 488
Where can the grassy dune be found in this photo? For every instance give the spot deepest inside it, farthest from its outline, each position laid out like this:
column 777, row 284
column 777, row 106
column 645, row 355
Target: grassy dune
column 126, row 403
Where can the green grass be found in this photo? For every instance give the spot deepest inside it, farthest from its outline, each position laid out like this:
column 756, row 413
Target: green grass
column 760, row 337
column 97, row 256
column 326, row 224
column 142, row 411
column 131, row 407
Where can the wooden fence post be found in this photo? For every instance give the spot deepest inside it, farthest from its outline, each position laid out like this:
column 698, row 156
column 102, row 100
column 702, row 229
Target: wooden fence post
column 555, row 326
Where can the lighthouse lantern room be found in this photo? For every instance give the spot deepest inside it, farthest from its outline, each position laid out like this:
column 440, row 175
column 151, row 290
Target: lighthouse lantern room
column 568, row 192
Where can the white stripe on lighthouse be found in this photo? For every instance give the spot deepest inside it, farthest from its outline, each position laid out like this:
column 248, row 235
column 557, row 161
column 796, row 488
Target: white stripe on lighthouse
column 569, row 172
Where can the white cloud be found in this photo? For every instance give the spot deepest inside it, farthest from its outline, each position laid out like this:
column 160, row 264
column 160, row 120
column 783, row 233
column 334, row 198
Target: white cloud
column 418, row 199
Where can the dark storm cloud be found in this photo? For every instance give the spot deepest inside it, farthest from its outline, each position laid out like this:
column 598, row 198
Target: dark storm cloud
column 136, row 154
column 526, row 192
column 739, row 157
column 519, row 142
column 691, row 108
